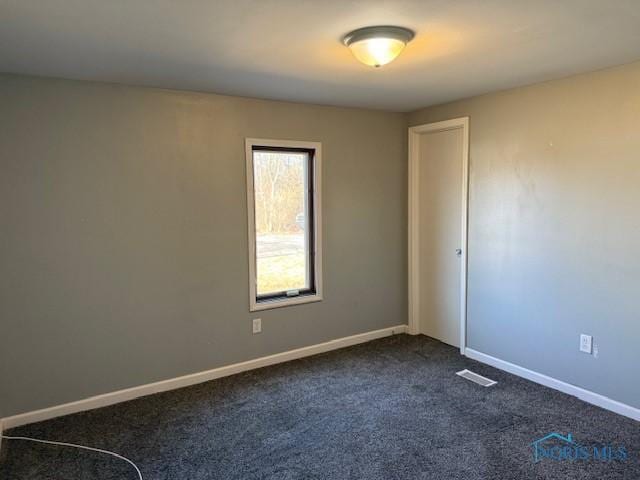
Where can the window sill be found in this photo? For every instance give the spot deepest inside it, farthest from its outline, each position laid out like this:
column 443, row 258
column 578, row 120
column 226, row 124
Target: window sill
column 284, row 302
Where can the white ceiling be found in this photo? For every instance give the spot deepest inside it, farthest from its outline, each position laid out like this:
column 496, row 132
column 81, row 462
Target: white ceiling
column 290, row 49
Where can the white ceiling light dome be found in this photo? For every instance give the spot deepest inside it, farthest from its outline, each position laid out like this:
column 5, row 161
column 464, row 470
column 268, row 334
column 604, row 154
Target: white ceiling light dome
column 379, row 45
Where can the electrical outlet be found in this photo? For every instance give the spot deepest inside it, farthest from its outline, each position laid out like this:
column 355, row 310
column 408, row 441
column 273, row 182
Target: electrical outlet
column 586, row 342
column 257, row 325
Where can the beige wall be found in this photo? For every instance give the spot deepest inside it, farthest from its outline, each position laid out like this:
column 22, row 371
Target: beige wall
column 124, row 245
column 554, row 226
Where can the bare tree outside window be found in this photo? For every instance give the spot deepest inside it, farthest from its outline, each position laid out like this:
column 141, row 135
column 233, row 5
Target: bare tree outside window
column 281, row 184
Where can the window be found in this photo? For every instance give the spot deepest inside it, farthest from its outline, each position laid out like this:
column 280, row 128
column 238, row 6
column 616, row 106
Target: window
column 283, row 195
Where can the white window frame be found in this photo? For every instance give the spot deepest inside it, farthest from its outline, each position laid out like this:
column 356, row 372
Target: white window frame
column 254, row 304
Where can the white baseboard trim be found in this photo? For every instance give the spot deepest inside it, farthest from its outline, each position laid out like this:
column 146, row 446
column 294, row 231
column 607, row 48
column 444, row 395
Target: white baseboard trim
column 192, row 379
column 585, row 395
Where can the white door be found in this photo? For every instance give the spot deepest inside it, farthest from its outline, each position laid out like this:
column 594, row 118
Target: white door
column 439, row 211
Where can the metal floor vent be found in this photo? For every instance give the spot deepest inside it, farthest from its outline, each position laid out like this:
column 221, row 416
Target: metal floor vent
column 474, row 377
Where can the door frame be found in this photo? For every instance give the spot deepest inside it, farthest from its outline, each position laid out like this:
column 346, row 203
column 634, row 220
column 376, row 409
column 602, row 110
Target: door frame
column 413, row 234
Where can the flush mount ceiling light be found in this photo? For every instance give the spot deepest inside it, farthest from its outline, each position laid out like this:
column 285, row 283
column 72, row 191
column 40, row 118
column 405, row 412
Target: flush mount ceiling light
column 377, row 46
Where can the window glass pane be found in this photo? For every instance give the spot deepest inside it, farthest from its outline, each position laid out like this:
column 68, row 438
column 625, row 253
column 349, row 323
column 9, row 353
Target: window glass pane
column 281, row 215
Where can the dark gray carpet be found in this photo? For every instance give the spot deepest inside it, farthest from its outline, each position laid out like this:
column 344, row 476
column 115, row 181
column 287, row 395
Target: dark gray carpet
column 389, row 409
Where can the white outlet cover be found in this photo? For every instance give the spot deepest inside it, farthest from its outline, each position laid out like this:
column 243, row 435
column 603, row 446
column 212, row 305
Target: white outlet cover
column 257, row 325
column 586, row 342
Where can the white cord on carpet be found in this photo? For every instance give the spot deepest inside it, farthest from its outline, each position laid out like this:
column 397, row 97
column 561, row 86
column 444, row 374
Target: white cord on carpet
column 63, row 444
